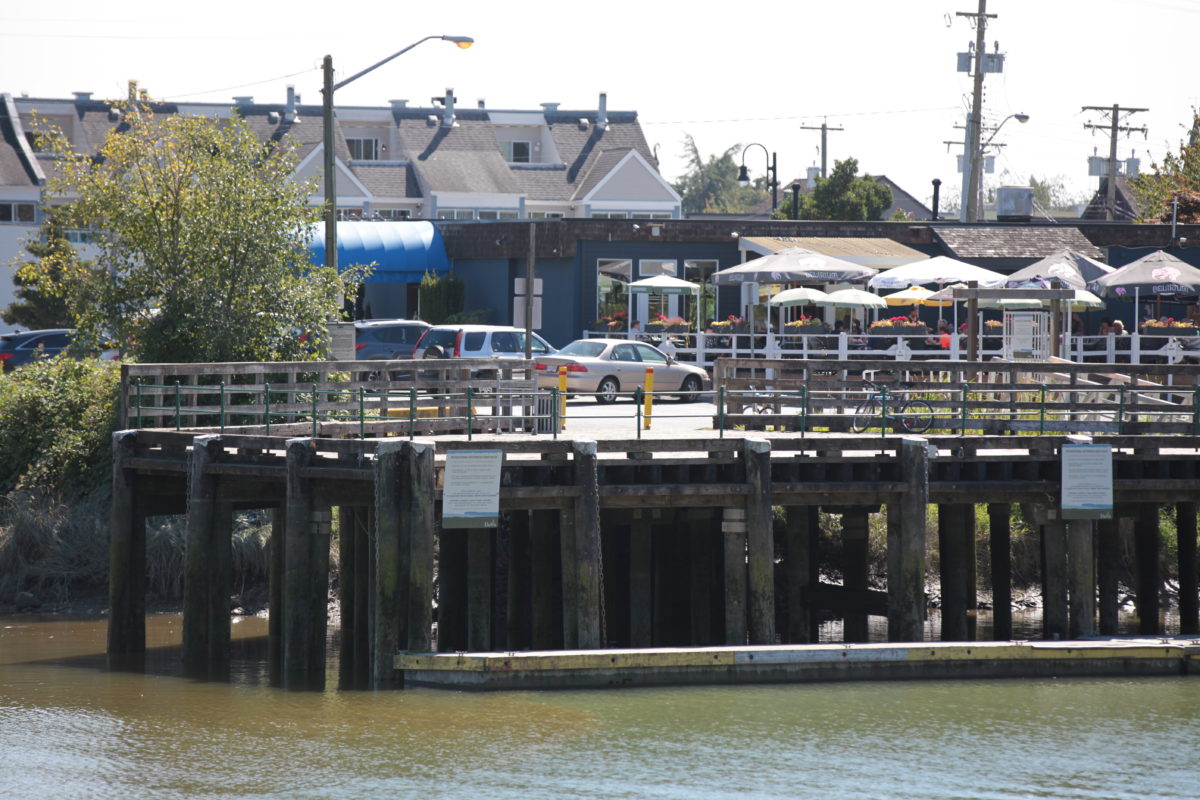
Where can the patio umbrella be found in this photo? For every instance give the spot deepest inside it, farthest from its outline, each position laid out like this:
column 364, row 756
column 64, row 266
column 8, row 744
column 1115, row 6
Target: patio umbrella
column 793, row 265
column 1068, row 267
column 914, row 296
column 852, row 298
column 1157, row 274
column 660, row 284
column 940, row 270
column 802, row 296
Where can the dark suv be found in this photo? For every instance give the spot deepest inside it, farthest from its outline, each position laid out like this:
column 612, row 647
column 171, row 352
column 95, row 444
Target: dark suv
column 387, row 338
column 22, row 347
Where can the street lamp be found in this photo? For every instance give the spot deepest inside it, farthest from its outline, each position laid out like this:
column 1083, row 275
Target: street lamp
column 330, row 178
column 772, row 171
column 974, row 179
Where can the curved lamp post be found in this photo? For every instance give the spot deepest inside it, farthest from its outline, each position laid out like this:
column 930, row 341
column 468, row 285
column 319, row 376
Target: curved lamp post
column 772, row 172
column 975, row 181
column 330, row 178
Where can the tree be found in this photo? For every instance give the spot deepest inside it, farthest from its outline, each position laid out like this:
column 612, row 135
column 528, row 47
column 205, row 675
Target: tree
column 202, row 234
column 712, row 188
column 842, row 196
column 1177, row 177
column 1052, row 194
column 37, row 305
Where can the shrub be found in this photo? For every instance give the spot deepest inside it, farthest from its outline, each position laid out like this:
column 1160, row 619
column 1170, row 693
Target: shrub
column 56, row 422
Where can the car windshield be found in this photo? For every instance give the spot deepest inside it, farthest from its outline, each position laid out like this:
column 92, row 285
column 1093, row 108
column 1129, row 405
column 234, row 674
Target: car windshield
column 583, row 347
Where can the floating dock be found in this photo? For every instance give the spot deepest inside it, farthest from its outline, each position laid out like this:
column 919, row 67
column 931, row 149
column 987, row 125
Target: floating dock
column 599, row 669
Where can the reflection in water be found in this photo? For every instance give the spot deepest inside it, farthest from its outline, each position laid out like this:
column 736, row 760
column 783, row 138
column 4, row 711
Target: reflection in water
column 70, row 728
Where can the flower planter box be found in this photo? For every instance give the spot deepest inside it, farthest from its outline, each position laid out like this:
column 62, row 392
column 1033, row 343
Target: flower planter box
column 897, row 330
column 812, row 329
column 1154, row 330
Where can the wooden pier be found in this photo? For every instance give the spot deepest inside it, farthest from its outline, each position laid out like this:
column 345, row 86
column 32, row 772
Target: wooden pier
column 630, row 543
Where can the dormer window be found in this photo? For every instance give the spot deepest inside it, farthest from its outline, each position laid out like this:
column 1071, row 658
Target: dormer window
column 516, row 152
column 363, row 149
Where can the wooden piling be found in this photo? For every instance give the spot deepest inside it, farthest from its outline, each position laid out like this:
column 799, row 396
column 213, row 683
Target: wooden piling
column 390, row 596
column 906, row 545
column 126, row 554
column 760, row 541
column 587, row 544
column 733, row 529
column 1149, row 575
column 420, row 525
column 954, row 551
column 479, row 588
column 1081, row 578
column 1000, row 546
column 854, row 569
column 1108, row 554
column 303, row 649
column 800, row 572
column 206, row 626
column 1189, row 593
column 1054, row 579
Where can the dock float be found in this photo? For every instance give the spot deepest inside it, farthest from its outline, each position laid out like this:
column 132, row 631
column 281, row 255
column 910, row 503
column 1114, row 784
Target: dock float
column 596, row 669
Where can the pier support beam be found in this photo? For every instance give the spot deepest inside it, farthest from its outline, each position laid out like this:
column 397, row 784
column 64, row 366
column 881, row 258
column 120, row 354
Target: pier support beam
column 760, row 541
column 587, row 545
column 208, row 573
column 1189, row 592
column 1081, row 577
column 305, row 575
column 906, row 545
column 1149, row 575
column 956, row 546
column 855, row 523
column 733, row 531
column 801, row 531
column 1054, row 579
column 402, row 604
column 126, row 555
column 1000, row 546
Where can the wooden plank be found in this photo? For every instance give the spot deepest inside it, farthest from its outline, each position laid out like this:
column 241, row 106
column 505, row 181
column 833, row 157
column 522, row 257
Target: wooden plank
column 1081, row 578
column 760, row 541
column 198, row 633
column 587, row 544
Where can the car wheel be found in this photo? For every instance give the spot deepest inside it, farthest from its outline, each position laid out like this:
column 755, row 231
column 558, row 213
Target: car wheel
column 691, row 385
column 608, row 391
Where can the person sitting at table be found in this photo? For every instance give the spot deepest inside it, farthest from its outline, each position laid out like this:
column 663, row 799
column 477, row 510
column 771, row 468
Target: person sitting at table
column 856, row 339
column 942, row 339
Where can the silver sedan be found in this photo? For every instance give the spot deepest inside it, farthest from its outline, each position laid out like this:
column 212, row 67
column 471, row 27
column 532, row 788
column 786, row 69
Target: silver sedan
column 612, row 367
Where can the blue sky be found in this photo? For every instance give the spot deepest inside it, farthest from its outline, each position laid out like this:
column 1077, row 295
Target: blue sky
column 755, row 71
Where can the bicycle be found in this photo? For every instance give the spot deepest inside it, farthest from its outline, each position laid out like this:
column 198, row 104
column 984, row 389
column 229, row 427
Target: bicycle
column 913, row 416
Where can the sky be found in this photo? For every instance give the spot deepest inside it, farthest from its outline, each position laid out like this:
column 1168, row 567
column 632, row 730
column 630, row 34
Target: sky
column 754, row 72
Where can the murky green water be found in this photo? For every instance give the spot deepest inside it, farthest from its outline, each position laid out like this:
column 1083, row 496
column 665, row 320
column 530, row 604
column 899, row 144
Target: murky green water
column 71, row 729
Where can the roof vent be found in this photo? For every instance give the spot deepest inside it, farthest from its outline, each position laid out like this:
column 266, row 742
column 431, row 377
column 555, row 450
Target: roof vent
column 243, row 100
column 549, row 107
column 431, row 120
column 447, row 108
column 273, row 117
column 583, row 123
column 398, row 105
column 83, row 97
column 289, row 113
column 602, row 114
column 114, row 114
column 481, row 103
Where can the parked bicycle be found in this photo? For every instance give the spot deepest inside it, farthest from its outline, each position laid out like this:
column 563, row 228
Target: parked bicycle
column 908, row 414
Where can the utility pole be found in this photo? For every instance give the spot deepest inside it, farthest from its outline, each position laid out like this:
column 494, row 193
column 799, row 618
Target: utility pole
column 824, row 129
column 969, row 210
column 1115, row 128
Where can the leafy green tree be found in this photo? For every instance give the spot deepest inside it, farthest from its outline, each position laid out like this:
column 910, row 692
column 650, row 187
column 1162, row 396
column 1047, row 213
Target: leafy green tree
column 841, row 196
column 1176, row 177
column 711, row 187
column 202, row 232
column 37, row 305
column 1052, row 194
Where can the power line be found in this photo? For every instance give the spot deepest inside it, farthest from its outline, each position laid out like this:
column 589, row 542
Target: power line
column 240, row 85
column 803, row 117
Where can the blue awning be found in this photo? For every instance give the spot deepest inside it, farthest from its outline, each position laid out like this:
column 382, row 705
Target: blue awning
column 402, row 251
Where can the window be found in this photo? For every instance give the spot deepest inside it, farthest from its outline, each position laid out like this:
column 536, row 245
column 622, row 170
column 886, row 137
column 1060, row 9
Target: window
column 516, row 152
column 650, row 215
column 545, row 215
column 349, row 213
column 498, row 214
column 392, row 214
column 649, row 355
column 17, row 212
column 455, row 213
column 609, row 215
column 363, row 149
column 81, row 237
column 624, row 352
column 649, row 267
column 612, row 275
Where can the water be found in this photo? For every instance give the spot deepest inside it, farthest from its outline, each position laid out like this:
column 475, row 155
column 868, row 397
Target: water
column 71, row 729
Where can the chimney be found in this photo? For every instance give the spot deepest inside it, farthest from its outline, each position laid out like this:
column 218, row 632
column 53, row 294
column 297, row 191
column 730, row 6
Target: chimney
column 549, row 107
column 399, row 105
column 83, row 97
column 448, row 109
column 292, row 99
column 243, row 100
column 602, row 114
column 481, row 103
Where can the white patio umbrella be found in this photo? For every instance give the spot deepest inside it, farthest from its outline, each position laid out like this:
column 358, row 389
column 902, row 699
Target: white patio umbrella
column 802, row 296
column 660, row 284
column 940, row 270
column 852, row 298
column 793, row 265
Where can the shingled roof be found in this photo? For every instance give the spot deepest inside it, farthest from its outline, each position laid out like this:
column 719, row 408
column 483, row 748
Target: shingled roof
column 993, row 241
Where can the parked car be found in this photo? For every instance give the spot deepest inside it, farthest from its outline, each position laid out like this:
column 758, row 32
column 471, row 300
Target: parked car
column 387, row 338
column 478, row 341
column 21, row 347
column 610, row 367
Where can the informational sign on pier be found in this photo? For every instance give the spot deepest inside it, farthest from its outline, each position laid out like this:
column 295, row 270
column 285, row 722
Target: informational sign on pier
column 471, row 496
column 1087, row 481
